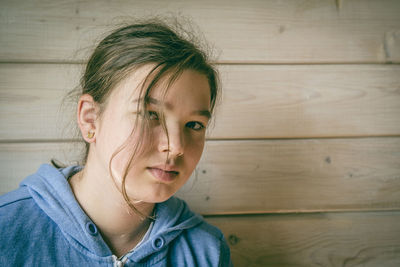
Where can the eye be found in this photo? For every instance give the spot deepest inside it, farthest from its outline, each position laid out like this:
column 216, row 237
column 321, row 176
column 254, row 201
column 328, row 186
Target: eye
column 153, row 115
column 195, row 125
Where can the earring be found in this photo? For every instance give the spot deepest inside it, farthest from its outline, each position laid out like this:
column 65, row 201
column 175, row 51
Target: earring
column 90, row 134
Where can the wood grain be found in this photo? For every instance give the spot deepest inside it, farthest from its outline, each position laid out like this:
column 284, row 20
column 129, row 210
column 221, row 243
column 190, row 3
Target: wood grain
column 258, row 101
column 242, row 31
column 32, row 104
column 325, row 239
column 307, row 135
column 262, row 176
column 297, row 175
column 309, row 101
column 18, row 160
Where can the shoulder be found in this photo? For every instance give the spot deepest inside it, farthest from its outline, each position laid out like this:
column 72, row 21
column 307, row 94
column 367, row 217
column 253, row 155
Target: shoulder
column 202, row 244
column 209, row 241
column 206, row 231
column 14, row 201
column 19, row 216
column 19, row 213
column 195, row 223
column 192, row 223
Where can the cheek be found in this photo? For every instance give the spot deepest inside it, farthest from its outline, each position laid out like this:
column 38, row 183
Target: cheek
column 119, row 162
column 123, row 151
column 114, row 130
column 194, row 151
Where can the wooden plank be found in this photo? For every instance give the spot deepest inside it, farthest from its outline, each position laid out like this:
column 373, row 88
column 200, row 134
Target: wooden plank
column 263, row 176
column 297, row 175
column 309, row 101
column 258, row 101
column 326, row 239
column 242, row 31
column 19, row 160
column 32, row 101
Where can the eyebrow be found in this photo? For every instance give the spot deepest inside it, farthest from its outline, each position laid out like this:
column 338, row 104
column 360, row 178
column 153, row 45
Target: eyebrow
column 205, row 113
column 153, row 101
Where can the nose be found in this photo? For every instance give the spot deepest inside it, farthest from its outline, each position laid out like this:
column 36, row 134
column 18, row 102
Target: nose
column 173, row 142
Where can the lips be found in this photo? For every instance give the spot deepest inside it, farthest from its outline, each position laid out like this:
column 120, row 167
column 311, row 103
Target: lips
column 163, row 174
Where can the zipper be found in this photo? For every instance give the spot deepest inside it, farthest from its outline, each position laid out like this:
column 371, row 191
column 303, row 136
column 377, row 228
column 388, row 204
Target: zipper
column 119, row 262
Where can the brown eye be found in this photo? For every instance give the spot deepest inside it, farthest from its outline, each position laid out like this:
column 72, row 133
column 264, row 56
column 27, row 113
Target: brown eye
column 195, row 125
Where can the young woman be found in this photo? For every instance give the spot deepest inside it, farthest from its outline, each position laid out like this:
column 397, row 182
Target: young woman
column 147, row 97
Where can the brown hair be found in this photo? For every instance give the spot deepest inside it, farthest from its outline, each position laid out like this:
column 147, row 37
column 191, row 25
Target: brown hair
column 130, row 47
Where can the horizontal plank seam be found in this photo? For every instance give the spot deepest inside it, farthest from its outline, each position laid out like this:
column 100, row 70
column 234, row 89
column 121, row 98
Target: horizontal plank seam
column 306, row 138
column 294, row 212
column 24, row 141
column 39, row 141
column 79, row 62
column 304, row 63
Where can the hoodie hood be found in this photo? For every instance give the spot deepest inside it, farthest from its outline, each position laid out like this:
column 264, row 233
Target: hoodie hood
column 51, row 191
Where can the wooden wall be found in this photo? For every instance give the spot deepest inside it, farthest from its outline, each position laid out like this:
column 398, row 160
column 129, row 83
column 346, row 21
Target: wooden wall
column 302, row 167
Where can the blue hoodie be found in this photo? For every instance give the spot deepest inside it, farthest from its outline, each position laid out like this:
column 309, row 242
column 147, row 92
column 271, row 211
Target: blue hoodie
column 41, row 224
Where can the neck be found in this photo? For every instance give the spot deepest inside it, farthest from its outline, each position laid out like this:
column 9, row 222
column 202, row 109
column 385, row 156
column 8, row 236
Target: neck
column 120, row 227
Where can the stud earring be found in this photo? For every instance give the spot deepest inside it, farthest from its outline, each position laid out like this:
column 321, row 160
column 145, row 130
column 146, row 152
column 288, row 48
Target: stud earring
column 90, row 134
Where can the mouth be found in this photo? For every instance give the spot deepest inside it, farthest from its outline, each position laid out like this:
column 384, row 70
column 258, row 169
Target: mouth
column 162, row 174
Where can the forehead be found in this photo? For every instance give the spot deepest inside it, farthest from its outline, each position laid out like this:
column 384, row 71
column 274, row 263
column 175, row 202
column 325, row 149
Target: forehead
column 129, row 88
column 190, row 87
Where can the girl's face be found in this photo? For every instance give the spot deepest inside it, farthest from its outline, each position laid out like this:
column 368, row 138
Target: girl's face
column 162, row 167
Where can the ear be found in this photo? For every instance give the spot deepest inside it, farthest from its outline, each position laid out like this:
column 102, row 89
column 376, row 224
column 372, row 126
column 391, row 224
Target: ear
column 87, row 115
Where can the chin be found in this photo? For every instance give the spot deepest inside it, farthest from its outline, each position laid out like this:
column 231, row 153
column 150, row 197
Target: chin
column 159, row 196
column 153, row 190
column 156, row 194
